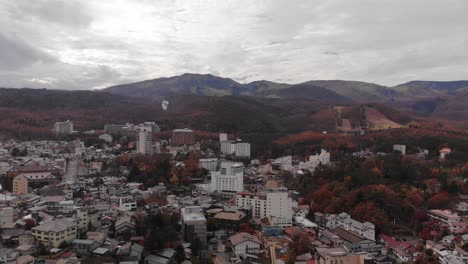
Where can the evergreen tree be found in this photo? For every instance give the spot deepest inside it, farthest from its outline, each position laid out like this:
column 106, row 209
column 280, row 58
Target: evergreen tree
column 196, row 246
column 179, row 254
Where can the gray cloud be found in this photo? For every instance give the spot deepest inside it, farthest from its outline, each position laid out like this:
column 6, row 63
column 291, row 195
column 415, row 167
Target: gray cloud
column 61, row 12
column 16, row 54
column 92, row 44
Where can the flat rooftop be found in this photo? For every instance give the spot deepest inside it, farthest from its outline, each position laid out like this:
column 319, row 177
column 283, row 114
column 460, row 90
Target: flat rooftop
column 192, row 213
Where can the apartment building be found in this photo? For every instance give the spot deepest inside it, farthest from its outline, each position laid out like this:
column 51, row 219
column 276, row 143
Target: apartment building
column 444, row 216
column 183, row 136
column 20, row 185
column 277, row 205
column 63, row 128
column 314, row 160
column 236, row 148
column 53, row 233
column 144, row 140
column 210, row 164
column 193, row 224
column 366, row 229
column 230, row 177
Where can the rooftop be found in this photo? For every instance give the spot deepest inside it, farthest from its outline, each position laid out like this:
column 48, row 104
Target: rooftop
column 445, row 213
column 242, row 237
column 83, row 241
column 182, row 130
column 233, row 216
column 192, row 213
column 57, row 225
column 348, row 236
column 337, row 251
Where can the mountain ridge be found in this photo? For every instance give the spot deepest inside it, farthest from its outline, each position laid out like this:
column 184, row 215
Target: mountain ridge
column 430, row 99
column 356, row 91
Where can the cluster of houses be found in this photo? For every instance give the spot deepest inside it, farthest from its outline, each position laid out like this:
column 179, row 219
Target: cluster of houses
column 64, row 207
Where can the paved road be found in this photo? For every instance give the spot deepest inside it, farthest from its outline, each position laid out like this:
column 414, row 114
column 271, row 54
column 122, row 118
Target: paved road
column 72, row 170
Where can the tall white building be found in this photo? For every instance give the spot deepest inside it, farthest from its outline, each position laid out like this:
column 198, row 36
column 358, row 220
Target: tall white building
column 63, row 128
column 314, row 160
column 230, row 178
column 144, row 140
column 223, row 137
column 154, row 127
column 210, row 164
column 242, row 149
column 228, row 147
column 237, row 148
column 276, row 205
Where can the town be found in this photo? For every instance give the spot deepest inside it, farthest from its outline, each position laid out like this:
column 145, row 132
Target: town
column 123, row 194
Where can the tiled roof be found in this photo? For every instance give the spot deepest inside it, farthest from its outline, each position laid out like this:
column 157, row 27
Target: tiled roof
column 242, row 237
column 233, row 216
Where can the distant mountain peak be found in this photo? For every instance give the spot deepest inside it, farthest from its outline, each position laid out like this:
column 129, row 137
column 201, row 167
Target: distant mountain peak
column 208, row 84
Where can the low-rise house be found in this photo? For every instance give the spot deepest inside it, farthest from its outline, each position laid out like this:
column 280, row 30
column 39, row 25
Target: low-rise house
column 26, row 259
column 7, row 255
column 448, row 240
column 464, row 239
column 462, row 207
column 26, row 239
column 84, row 246
column 125, row 225
column 10, row 237
column 136, row 251
column 403, row 251
column 440, row 250
column 458, row 227
column 244, row 243
column 127, row 202
column 8, row 215
column 154, row 259
column 26, row 249
column 164, row 256
column 53, row 204
column 457, row 256
column 97, row 237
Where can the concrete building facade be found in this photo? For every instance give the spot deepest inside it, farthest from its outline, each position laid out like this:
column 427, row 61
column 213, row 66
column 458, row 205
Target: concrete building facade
column 144, row 140
column 230, row 178
column 277, row 204
column 63, row 128
column 20, row 185
column 53, row 233
column 193, row 224
column 314, row 160
column 183, row 136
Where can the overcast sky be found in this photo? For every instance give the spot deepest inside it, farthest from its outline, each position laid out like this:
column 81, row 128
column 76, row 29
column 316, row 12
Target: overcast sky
column 90, row 44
